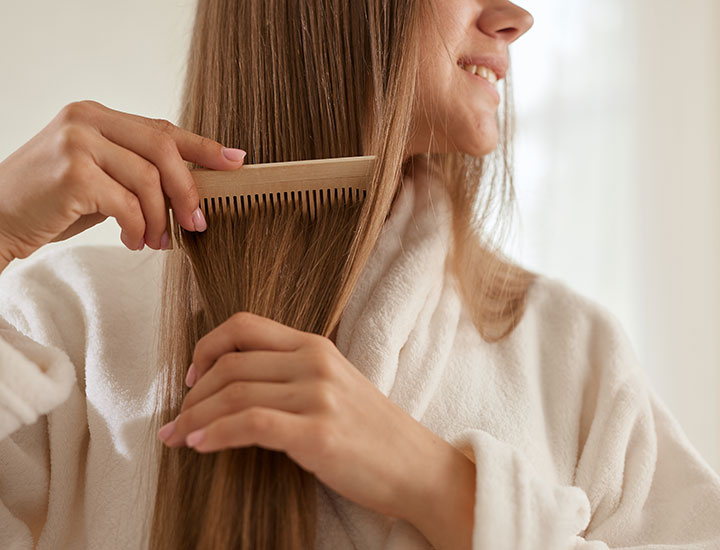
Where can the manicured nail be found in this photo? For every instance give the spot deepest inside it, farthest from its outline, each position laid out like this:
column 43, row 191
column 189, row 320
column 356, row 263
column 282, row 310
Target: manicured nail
column 199, row 220
column 190, row 378
column 164, row 241
column 235, row 155
column 195, row 438
column 142, row 244
column 166, row 431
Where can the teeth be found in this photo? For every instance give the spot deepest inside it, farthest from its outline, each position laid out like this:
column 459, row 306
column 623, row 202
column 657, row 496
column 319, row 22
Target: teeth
column 486, row 73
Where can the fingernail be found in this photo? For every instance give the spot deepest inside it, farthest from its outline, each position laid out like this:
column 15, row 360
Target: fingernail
column 164, row 241
column 199, row 220
column 235, row 155
column 142, row 244
column 190, row 378
column 195, row 437
column 166, row 431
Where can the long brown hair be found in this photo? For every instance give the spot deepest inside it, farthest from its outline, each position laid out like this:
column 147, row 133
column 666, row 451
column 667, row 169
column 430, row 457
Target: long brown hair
column 292, row 81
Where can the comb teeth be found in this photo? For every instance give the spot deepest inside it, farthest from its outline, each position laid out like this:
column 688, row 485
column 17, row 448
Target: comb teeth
column 312, row 186
column 310, row 201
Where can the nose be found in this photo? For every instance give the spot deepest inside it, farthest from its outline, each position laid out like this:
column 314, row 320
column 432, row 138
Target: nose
column 505, row 21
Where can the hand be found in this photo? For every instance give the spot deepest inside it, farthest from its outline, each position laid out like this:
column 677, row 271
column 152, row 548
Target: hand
column 91, row 162
column 262, row 383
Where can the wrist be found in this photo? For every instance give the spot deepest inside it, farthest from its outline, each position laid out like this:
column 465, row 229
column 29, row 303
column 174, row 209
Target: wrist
column 443, row 504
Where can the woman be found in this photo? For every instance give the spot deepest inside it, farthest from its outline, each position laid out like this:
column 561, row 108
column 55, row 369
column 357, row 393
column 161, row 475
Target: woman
column 404, row 386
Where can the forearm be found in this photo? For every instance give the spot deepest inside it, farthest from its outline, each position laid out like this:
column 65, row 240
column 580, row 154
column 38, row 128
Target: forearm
column 443, row 504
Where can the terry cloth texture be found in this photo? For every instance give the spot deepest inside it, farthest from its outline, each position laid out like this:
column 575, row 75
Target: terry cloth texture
column 573, row 448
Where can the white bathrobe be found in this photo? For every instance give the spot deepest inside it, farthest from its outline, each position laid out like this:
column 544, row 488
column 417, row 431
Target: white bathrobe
column 572, row 447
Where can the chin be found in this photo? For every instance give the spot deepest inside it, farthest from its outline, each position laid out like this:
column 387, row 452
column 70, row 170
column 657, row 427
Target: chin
column 480, row 142
column 483, row 144
column 477, row 142
column 481, row 149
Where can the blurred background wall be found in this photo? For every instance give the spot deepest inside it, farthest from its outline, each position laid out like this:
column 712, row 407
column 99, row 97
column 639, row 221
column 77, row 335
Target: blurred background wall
column 618, row 180
column 617, row 152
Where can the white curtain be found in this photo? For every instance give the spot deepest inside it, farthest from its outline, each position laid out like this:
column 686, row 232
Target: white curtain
column 618, row 180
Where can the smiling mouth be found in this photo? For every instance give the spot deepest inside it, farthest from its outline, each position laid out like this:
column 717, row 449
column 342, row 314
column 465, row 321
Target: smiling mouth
column 480, row 70
column 484, row 82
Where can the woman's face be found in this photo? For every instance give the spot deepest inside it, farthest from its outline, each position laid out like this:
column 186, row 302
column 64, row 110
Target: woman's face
column 460, row 108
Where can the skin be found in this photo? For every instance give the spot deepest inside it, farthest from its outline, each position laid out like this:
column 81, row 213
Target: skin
column 257, row 382
column 445, row 93
column 91, row 162
column 469, row 27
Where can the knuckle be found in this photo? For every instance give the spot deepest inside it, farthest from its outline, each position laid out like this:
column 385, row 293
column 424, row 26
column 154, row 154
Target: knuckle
column 79, row 111
column 242, row 319
column 150, row 174
column 72, row 137
column 207, row 143
column 324, row 396
column 189, row 190
column 90, row 105
column 164, row 125
column 318, row 340
column 73, row 112
column 130, row 202
column 257, row 421
column 322, row 365
column 327, row 345
column 74, row 171
column 166, row 146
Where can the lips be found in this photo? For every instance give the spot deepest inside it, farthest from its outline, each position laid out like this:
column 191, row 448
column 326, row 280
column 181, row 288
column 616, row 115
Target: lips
column 497, row 63
column 486, row 73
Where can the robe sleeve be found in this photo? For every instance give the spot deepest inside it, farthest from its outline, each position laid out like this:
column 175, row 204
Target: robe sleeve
column 638, row 481
column 34, row 380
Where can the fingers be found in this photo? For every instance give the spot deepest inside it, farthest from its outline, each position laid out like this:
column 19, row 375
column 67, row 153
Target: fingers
column 175, row 178
column 247, row 366
column 107, row 196
column 195, row 148
column 143, row 179
column 166, row 146
column 264, row 427
column 231, row 399
column 246, row 331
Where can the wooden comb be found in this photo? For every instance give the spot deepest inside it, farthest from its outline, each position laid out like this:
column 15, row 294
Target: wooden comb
column 310, row 185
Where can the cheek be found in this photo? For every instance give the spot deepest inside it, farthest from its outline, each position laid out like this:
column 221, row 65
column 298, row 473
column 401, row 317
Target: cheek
column 474, row 122
column 470, row 106
column 433, row 90
column 443, row 101
column 464, row 102
column 458, row 111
